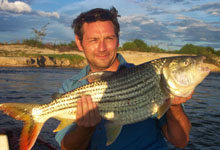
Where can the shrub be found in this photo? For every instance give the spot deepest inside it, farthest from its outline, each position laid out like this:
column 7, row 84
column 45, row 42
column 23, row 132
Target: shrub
column 32, row 42
column 141, row 45
column 130, row 46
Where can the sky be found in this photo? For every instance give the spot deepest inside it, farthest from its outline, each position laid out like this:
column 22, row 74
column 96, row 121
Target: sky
column 169, row 24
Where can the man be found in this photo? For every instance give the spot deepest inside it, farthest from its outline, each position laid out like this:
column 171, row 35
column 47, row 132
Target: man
column 97, row 35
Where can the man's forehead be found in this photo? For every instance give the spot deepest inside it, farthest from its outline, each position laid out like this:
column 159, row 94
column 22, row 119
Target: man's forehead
column 99, row 27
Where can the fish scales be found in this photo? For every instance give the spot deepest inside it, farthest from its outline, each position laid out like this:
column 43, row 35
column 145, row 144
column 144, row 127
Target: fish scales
column 133, row 95
column 129, row 103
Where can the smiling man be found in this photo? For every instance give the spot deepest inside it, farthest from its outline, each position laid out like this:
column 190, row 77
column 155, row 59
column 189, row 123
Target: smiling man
column 99, row 45
column 97, row 35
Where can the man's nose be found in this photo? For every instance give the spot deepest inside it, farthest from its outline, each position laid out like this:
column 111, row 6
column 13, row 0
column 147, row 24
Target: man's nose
column 102, row 45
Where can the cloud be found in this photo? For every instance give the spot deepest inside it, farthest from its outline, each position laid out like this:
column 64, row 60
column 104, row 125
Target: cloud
column 143, row 27
column 212, row 8
column 194, row 30
column 22, row 7
column 17, row 6
column 48, row 14
column 25, row 1
column 182, row 29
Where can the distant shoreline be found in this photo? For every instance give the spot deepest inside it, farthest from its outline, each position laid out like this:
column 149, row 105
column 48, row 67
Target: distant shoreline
column 44, row 61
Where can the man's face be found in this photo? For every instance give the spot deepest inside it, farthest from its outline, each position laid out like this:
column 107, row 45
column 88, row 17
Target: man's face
column 99, row 44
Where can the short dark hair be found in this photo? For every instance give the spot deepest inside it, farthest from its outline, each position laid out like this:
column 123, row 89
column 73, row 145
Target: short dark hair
column 97, row 14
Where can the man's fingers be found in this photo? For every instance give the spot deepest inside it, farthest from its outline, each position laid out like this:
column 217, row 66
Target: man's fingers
column 85, row 107
column 180, row 100
column 96, row 113
column 91, row 111
column 87, row 114
column 79, row 112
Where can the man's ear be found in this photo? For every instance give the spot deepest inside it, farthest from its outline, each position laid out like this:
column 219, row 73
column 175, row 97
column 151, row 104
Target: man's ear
column 78, row 43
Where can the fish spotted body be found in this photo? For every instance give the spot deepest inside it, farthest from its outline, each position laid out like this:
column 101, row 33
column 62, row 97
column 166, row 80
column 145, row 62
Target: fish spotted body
column 124, row 97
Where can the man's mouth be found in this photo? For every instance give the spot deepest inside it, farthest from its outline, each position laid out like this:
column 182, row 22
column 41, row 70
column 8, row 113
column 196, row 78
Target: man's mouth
column 102, row 56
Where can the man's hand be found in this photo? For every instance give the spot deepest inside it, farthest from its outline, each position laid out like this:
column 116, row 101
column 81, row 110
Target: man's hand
column 87, row 114
column 87, row 117
column 179, row 100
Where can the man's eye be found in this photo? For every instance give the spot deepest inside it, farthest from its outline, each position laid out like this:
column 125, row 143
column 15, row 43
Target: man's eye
column 110, row 38
column 92, row 40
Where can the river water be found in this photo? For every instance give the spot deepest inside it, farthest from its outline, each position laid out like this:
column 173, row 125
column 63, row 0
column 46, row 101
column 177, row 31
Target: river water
column 36, row 85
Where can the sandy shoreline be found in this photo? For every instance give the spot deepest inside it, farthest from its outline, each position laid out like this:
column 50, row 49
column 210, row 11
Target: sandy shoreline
column 130, row 56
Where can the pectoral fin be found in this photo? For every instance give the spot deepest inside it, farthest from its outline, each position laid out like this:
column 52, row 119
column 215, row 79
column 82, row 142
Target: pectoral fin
column 112, row 132
column 163, row 108
column 63, row 123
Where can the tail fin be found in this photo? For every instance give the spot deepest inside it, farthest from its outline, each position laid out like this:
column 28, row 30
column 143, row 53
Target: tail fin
column 31, row 129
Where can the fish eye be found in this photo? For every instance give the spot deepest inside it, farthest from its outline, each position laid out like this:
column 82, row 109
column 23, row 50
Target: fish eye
column 186, row 62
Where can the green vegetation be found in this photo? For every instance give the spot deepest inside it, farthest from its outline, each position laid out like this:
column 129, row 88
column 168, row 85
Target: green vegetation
column 140, row 45
column 17, row 53
column 74, row 59
column 136, row 45
column 33, row 42
column 209, row 52
column 198, row 50
column 62, row 47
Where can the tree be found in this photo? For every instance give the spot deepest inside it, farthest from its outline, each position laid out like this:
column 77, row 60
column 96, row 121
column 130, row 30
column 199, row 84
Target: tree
column 129, row 46
column 189, row 49
column 141, row 45
column 206, row 51
column 218, row 53
column 39, row 34
column 198, row 50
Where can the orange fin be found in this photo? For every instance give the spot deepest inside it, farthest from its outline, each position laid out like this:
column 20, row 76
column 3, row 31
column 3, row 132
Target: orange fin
column 31, row 129
column 29, row 134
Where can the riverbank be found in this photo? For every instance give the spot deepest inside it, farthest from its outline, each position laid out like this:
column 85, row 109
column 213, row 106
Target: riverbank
column 27, row 56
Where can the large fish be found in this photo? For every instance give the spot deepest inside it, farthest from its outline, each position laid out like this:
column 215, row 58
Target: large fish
column 124, row 97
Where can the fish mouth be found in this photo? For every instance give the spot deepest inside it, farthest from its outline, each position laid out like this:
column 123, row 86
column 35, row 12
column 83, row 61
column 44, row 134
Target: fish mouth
column 203, row 67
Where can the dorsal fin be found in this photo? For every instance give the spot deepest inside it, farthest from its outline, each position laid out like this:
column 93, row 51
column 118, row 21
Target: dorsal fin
column 96, row 76
column 56, row 95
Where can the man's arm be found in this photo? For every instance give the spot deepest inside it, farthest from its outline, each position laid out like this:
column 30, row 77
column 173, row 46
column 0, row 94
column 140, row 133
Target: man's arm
column 178, row 126
column 87, row 117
